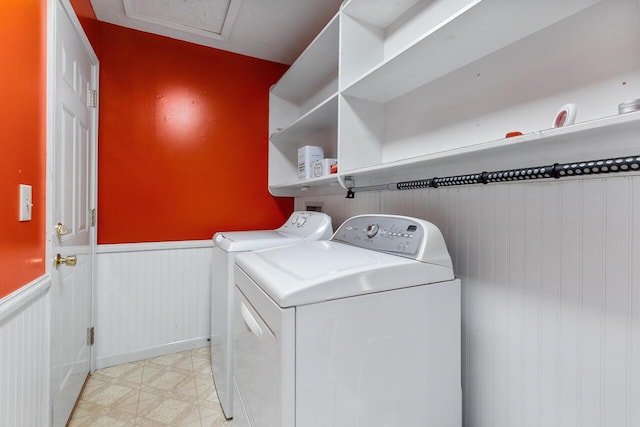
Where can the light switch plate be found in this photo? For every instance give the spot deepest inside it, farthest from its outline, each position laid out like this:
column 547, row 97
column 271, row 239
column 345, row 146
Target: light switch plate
column 26, row 202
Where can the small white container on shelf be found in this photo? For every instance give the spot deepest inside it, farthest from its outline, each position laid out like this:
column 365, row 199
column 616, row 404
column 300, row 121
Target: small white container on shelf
column 307, row 156
column 323, row 167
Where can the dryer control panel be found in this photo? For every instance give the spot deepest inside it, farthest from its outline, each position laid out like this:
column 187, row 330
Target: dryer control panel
column 398, row 235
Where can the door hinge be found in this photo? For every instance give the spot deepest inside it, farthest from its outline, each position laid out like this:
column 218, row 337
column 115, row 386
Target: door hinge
column 93, row 217
column 92, row 98
column 90, row 335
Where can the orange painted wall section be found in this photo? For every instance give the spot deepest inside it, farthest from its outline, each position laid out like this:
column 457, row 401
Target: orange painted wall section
column 182, row 140
column 86, row 16
column 23, row 124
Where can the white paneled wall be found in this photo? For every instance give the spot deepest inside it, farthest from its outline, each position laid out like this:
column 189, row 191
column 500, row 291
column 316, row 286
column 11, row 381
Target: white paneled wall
column 340, row 208
column 551, row 295
column 152, row 299
column 24, row 357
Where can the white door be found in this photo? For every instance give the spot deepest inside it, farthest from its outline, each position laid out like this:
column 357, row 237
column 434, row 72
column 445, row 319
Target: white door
column 73, row 197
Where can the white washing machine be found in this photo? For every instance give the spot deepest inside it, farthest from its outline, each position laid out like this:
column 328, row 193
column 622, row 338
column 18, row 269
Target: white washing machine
column 359, row 331
column 301, row 226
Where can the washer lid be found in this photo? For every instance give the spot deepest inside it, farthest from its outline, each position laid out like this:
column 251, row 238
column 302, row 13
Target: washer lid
column 240, row 241
column 311, row 272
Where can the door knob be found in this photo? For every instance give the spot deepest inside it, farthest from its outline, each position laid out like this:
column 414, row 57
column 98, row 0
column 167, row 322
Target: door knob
column 70, row 260
column 61, row 229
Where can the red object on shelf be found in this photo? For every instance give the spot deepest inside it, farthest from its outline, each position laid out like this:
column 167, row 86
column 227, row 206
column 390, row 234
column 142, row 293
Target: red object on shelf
column 512, row 134
column 566, row 116
column 561, row 118
column 333, row 169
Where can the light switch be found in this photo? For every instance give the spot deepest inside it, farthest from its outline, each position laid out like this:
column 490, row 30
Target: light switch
column 26, row 202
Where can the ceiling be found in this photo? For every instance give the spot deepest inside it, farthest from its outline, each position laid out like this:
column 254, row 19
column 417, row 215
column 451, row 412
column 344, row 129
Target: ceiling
column 275, row 30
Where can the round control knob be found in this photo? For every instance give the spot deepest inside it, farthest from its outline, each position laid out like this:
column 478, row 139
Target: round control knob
column 294, row 220
column 301, row 221
column 372, row 230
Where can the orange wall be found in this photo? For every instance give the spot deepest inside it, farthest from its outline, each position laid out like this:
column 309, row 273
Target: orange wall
column 86, row 16
column 23, row 124
column 182, row 139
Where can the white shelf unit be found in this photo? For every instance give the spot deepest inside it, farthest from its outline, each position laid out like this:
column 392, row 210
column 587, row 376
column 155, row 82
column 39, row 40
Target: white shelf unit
column 318, row 127
column 308, row 187
column 438, row 38
column 430, row 87
column 303, row 109
column 609, row 137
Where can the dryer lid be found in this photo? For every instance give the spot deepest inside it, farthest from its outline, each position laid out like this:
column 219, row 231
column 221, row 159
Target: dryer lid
column 311, row 272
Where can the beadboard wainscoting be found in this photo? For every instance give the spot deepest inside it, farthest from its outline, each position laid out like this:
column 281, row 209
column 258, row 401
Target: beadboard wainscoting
column 151, row 299
column 24, row 356
column 550, row 295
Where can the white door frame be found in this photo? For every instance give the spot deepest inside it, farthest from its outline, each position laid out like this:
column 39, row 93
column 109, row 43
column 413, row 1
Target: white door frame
column 50, row 117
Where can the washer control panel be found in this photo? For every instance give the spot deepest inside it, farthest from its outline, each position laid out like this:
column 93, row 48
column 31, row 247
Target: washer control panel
column 397, row 235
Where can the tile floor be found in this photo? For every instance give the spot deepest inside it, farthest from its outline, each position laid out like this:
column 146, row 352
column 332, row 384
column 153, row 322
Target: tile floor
column 172, row 390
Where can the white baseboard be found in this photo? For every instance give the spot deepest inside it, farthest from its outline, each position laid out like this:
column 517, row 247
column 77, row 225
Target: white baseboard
column 147, row 353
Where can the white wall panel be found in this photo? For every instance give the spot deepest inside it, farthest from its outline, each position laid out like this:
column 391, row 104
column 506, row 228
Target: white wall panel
column 569, row 300
column 617, row 287
column 633, row 354
column 340, row 208
column 551, row 295
column 152, row 299
column 24, row 358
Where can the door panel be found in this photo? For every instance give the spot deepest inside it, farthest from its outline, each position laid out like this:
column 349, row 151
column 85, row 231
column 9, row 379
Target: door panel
column 73, row 146
column 71, row 362
column 83, row 152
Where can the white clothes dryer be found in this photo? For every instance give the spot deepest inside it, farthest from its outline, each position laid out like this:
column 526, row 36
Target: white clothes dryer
column 362, row 330
column 301, row 226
